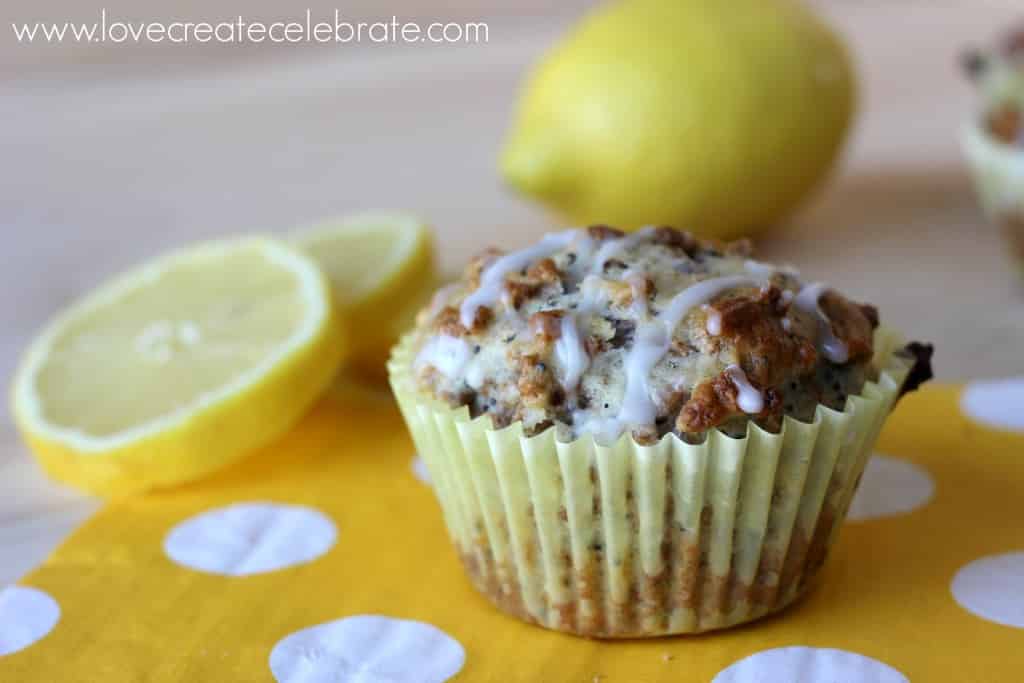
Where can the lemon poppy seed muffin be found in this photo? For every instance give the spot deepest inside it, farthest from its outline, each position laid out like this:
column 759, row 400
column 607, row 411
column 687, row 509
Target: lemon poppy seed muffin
column 597, row 332
column 644, row 434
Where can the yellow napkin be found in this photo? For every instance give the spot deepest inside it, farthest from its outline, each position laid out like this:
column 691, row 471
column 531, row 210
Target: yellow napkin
column 168, row 588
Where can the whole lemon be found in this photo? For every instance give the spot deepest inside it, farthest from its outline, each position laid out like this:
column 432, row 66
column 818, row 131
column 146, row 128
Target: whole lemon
column 708, row 115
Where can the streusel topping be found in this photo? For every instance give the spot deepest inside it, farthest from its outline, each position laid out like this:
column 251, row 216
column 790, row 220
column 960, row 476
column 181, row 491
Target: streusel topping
column 595, row 331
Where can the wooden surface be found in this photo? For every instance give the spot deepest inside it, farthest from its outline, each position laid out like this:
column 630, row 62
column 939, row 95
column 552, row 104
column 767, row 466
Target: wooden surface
column 111, row 156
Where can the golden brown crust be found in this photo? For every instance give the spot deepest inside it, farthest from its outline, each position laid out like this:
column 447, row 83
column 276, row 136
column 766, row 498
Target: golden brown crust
column 620, row 293
column 449, row 323
column 604, row 232
column 679, row 239
column 547, row 325
column 710, row 404
column 706, row 410
column 519, row 291
column 521, row 288
column 768, row 353
column 851, row 324
column 544, row 272
column 535, row 381
column 477, row 265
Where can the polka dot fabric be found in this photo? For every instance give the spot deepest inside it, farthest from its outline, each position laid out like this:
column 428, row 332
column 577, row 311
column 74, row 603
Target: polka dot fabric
column 324, row 558
column 250, row 538
column 890, row 486
column 26, row 616
column 367, row 648
column 809, row 665
column 997, row 403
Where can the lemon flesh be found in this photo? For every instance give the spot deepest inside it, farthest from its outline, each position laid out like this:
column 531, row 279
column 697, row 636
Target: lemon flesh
column 178, row 367
column 713, row 116
column 382, row 271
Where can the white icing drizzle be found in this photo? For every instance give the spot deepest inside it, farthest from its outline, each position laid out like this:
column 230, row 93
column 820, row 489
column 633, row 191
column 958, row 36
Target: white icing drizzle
column 571, row 353
column 700, row 293
column 765, row 271
column 759, row 269
column 807, row 300
column 475, row 373
column 651, row 342
column 590, row 290
column 446, row 353
column 569, row 349
column 604, row 429
column 585, row 248
column 714, row 323
column 749, row 399
column 492, row 279
column 612, row 247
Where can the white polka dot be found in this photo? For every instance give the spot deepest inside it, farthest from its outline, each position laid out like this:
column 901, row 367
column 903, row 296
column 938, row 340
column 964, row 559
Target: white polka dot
column 809, row 665
column 26, row 616
column 993, row 588
column 420, row 471
column 367, row 649
column 250, row 538
column 890, row 486
column 996, row 403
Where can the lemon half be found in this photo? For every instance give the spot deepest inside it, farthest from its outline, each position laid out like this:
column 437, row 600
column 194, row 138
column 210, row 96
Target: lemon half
column 179, row 367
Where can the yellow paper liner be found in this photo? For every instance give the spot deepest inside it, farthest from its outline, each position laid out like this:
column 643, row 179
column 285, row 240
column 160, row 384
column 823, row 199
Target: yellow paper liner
column 629, row 540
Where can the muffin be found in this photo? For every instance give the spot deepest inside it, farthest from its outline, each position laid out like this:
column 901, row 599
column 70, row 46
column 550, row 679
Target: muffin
column 993, row 138
column 644, row 434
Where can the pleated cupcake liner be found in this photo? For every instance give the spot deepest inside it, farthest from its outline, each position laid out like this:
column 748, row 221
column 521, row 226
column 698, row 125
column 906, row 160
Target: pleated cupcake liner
column 629, row 540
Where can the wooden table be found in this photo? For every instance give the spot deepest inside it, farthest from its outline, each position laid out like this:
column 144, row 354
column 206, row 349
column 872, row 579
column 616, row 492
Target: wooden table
column 110, row 156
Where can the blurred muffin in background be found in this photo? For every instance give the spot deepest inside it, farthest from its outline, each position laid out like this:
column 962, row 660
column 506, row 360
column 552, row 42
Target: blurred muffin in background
column 993, row 139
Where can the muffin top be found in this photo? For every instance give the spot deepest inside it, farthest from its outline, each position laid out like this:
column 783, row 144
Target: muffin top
column 596, row 331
